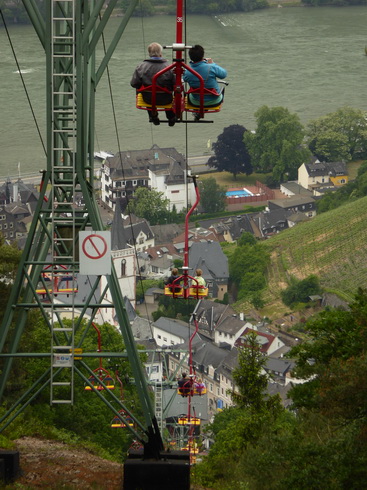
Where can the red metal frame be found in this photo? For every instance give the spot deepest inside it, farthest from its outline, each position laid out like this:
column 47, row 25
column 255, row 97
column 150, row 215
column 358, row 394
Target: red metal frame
column 178, row 105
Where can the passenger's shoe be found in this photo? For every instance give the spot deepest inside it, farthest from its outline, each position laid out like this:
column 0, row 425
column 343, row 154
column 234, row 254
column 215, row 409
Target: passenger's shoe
column 197, row 116
column 155, row 120
column 172, row 121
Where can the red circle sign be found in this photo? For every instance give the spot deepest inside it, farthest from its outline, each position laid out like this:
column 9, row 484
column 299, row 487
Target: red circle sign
column 94, row 247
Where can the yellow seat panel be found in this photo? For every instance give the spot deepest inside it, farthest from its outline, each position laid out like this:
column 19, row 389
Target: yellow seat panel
column 179, row 292
column 198, row 291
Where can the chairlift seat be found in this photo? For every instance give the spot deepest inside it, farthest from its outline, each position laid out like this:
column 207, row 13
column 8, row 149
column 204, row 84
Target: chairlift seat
column 176, row 292
column 141, row 104
column 196, row 108
column 200, row 392
column 198, row 291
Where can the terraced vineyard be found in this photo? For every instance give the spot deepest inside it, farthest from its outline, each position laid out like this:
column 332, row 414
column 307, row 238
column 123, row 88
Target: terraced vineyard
column 332, row 245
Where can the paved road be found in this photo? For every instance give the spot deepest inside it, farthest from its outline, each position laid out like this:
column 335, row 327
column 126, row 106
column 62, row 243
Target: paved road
column 199, row 164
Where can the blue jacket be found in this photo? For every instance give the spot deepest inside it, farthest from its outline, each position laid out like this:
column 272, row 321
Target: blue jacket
column 209, row 73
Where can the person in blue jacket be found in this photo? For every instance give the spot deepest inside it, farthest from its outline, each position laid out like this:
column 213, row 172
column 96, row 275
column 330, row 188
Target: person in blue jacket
column 209, row 71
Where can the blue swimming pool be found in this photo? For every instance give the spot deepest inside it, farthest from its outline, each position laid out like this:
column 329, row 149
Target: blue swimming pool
column 239, row 192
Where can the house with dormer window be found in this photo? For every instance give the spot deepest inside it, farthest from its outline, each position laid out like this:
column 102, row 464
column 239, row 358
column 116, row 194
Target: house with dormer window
column 161, row 169
column 322, row 174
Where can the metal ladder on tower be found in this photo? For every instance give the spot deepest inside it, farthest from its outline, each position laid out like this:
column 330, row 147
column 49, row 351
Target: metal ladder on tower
column 63, row 192
column 158, row 404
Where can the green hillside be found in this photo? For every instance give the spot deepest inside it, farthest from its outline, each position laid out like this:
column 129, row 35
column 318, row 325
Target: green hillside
column 332, row 245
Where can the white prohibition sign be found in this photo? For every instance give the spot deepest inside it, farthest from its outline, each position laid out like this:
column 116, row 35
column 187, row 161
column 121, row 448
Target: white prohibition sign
column 94, row 247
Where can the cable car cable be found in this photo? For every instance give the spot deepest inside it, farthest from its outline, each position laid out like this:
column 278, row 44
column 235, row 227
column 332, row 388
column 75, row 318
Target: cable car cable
column 123, row 177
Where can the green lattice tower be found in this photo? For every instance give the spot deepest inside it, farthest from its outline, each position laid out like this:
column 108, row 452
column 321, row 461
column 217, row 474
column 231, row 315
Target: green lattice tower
column 69, row 36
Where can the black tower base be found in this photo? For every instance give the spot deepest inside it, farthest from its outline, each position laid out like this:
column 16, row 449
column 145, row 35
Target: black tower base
column 172, row 471
column 9, row 466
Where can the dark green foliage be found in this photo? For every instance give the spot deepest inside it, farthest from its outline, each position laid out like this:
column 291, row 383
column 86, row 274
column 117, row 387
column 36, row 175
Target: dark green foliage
column 9, row 259
column 175, row 308
column 341, row 135
column 143, row 285
column 300, row 291
column 246, row 238
column 230, row 152
column 276, row 146
column 212, row 196
column 248, row 377
column 247, row 266
column 324, row 445
column 257, row 300
column 90, row 420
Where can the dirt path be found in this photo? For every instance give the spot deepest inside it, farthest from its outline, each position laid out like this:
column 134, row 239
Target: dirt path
column 51, row 464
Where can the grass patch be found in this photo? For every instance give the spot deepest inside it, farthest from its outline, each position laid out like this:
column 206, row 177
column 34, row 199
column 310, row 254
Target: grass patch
column 226, row 179
column 353, row 168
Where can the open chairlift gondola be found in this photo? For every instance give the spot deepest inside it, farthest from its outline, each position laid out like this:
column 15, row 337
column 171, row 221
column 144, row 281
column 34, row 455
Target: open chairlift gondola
column 186, row 286
column 180, row 102
column 101, row 375
column 117, row 422
column 56, row 279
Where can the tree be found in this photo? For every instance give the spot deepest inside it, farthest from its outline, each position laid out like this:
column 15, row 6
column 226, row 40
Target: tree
column 212, row 196
column 247, row 267
column 276, row 146
column 340, row 135
column 300, row 291
column 151, row 205
column 230, row 152
column 248, row 378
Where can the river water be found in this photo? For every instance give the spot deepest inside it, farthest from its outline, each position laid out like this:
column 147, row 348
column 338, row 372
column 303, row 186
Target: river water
column 310, row 60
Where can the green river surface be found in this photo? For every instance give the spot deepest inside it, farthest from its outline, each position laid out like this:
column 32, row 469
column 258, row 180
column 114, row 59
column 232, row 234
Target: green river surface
column 310, row 60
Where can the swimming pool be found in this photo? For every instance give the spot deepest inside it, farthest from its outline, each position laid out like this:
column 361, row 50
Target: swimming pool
column 238, row 192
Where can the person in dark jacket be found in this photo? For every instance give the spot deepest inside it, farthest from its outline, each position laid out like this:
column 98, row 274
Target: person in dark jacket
column 184, row 385
column 170, row 280
column 143, row 76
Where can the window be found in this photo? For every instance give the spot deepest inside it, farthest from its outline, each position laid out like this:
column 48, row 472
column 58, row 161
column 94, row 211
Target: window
column 123, row 267
column 159, row 336
column 211, row 386
column 11, row 225
column 135, row 182
column 5, row 226
column 106, row 188
column 164, row 339
column 141, row 241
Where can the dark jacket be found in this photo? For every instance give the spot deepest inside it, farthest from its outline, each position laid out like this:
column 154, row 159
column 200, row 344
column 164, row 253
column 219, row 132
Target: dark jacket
column 143, row 76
